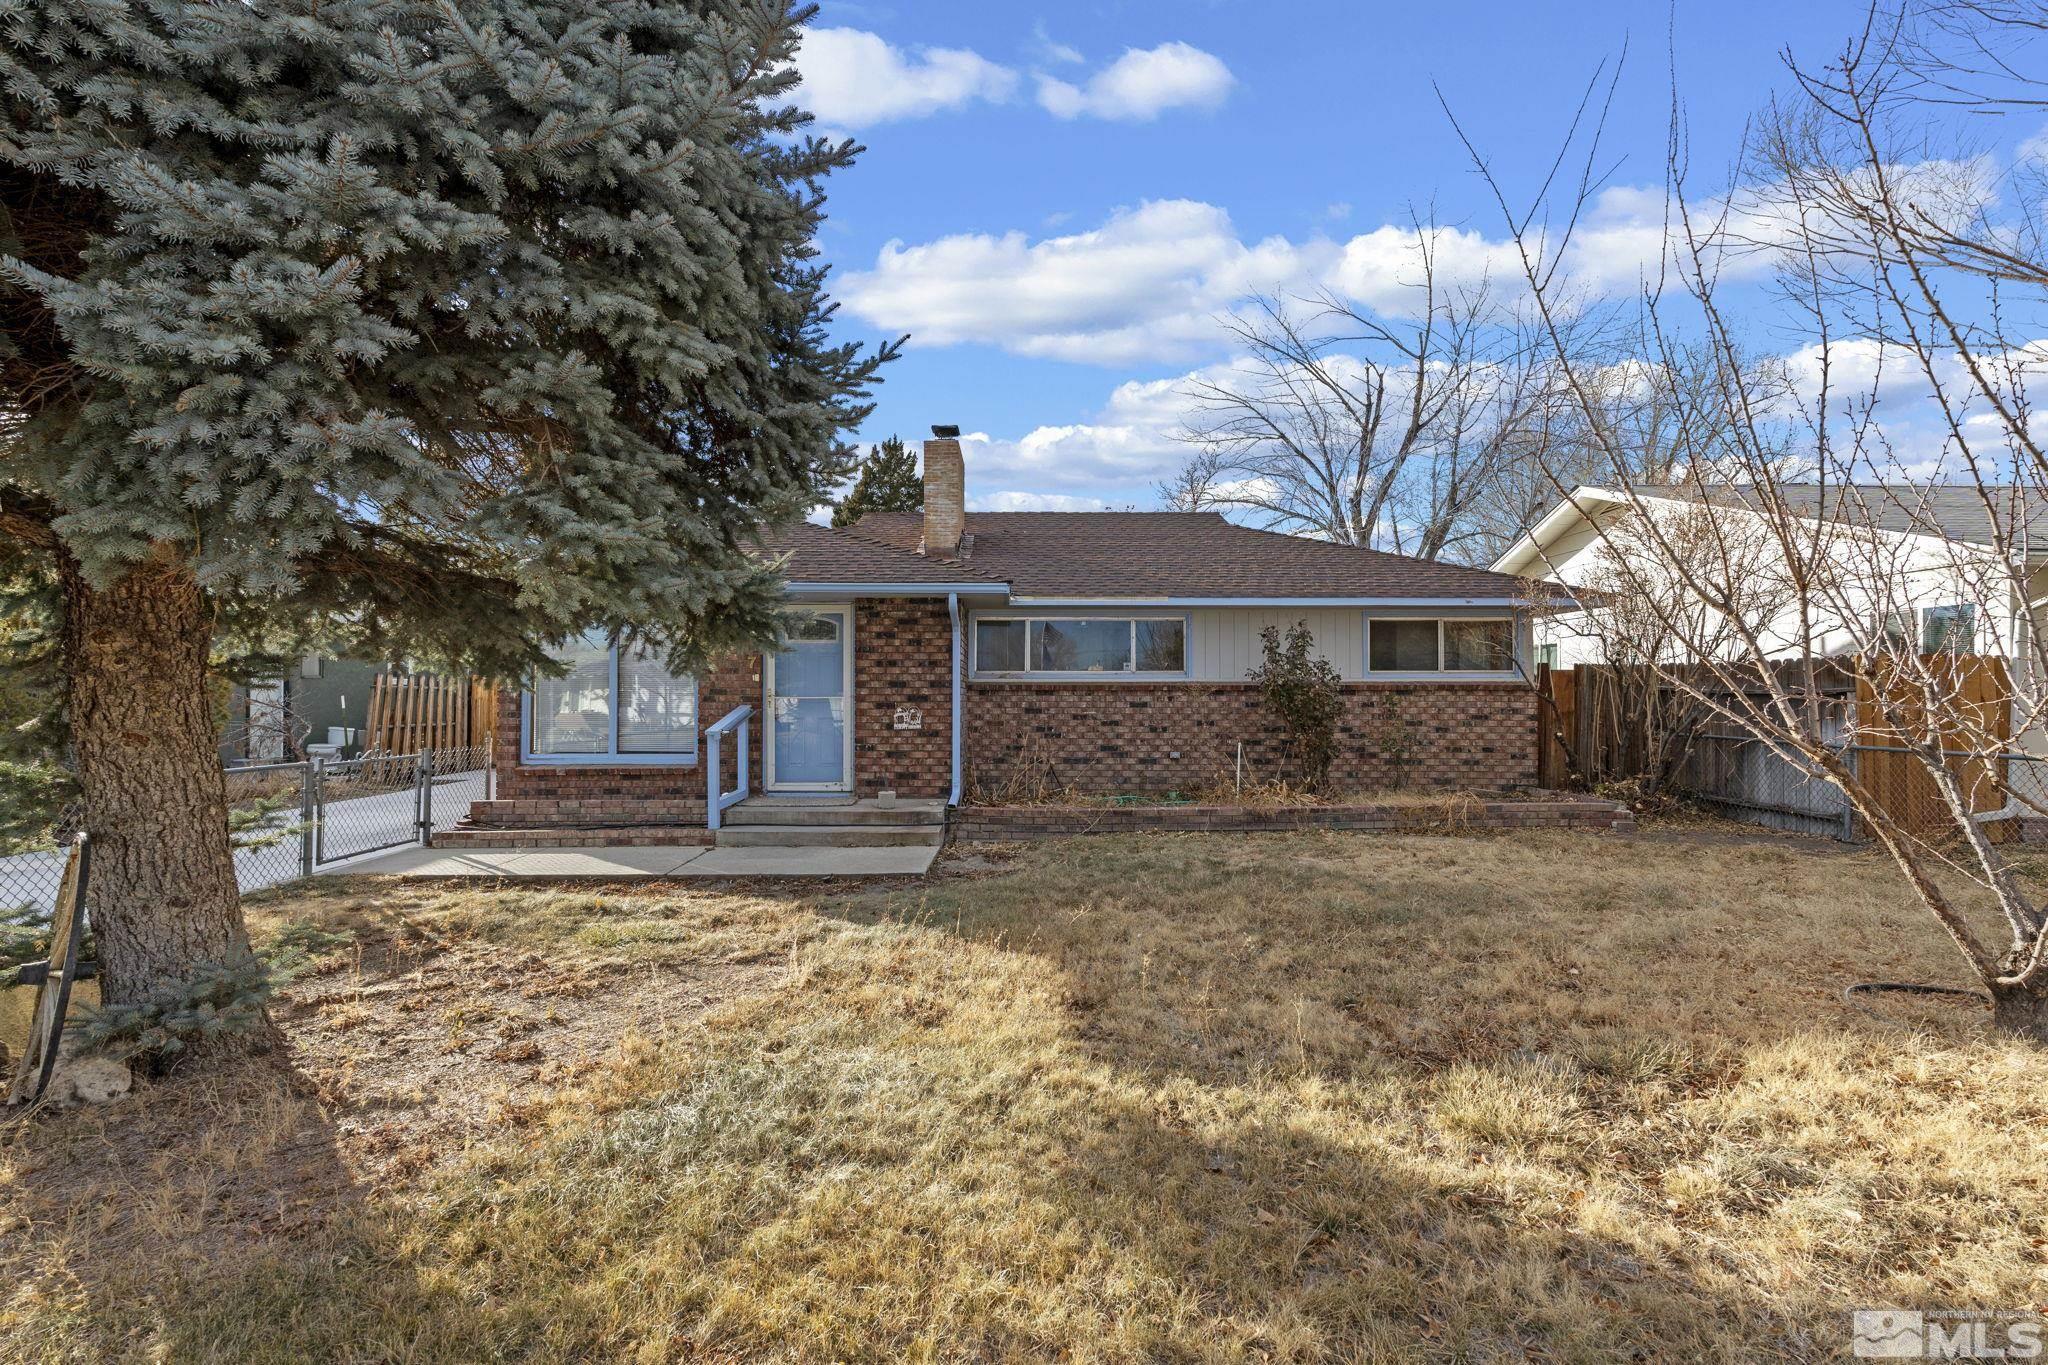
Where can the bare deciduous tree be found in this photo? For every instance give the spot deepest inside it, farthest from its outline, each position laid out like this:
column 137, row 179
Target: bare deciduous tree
column 1369, row 430
column 1194, row 486
column 1893, row 264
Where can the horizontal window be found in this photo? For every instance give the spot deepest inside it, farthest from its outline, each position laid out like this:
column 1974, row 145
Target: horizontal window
column 612, row 703
column 1081, row 646
column 1449, row 645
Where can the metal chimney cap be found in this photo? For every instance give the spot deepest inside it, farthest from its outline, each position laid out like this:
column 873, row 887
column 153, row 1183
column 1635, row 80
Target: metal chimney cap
column 946, row 433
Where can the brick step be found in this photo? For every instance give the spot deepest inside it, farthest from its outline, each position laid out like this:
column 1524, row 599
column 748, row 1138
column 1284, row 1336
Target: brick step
column 832, row 836
column 558, row 836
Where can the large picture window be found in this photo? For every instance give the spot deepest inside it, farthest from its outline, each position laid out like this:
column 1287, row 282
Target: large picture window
column 613, row 706
column 1080, row 646
column 1399, row 644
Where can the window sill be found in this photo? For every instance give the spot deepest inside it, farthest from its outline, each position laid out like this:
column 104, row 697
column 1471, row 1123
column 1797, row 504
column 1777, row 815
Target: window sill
column 1078, row 677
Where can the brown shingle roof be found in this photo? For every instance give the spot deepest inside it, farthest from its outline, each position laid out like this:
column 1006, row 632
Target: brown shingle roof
column 823, row 554
column 1124, row 555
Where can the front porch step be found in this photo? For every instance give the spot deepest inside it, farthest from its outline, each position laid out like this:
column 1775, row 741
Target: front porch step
column 467, row 836
column 831, row 836
column 770, row 811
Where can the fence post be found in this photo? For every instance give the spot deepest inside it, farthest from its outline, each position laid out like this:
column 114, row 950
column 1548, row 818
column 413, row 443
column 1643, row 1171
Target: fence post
column 1848, row 806
column 423, row 803
column 317, row 808
column 306, row 820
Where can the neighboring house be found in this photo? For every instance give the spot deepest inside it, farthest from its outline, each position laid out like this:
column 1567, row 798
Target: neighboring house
column 939, row 653
column 1906, row 566
column 324, row 700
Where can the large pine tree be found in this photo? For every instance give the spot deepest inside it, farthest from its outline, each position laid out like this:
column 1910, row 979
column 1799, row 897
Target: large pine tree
column 446, row 327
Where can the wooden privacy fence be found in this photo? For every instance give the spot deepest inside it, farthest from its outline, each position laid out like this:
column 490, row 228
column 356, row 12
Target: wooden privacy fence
column 410, row 713
column 1977, row 716
column 1594, row 726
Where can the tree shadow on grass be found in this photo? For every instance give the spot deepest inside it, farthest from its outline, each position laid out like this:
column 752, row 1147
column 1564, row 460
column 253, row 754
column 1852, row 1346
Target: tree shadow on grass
column 131, row 1214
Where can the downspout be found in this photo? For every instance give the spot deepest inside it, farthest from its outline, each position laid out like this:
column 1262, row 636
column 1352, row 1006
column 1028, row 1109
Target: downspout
column 953, row 613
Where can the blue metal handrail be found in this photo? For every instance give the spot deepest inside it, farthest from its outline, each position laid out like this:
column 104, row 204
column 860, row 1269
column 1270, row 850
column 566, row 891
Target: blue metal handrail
column 740, row 718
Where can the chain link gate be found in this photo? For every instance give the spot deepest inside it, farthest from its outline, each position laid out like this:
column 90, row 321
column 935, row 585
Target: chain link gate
column 290, row 820
column 365, row 805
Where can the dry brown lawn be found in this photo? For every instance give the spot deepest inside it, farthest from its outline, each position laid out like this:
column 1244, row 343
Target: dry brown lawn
column 1305, row 1097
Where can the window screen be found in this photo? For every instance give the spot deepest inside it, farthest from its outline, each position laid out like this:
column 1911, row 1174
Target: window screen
column 1398, row 646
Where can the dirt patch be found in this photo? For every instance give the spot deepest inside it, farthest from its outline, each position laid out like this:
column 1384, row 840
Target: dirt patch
column 417, row 1050
column 402, row 1052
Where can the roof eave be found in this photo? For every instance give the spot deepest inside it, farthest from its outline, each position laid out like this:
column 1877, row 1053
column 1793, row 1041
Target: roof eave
column 1254, row 600
column 1529, row 547
column 879, row 589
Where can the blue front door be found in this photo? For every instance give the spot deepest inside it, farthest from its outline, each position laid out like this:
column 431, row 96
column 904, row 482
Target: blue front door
column 808, row 684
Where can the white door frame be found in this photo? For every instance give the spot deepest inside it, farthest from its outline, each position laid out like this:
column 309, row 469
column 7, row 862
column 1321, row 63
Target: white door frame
column 844, row 611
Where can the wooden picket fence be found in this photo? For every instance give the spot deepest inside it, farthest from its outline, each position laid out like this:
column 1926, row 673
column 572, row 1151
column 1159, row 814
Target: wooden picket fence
column 413, row 712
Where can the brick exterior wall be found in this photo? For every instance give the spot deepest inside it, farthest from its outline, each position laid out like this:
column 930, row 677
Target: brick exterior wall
column 1004, row 823
column 902, row 658
column 1159, row 737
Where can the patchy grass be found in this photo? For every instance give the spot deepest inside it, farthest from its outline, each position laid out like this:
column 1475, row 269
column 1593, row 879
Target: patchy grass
column 1543, row 1096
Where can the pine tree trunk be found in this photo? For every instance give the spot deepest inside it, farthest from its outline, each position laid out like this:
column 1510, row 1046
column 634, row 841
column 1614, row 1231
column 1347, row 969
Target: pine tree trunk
column 2022, row 1013
column 162, row 897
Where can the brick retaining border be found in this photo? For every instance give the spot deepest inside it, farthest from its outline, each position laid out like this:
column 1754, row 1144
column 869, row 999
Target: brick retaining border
column 1001, row 824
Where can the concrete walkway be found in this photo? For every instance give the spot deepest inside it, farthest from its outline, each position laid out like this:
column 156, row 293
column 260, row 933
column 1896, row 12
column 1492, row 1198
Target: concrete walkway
column 673, row 861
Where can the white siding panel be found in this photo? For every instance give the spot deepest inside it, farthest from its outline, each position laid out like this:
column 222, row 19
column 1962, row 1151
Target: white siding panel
column 1225, row 645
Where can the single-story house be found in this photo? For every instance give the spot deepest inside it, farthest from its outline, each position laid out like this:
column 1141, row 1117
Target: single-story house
column 939, row 654
column 1902, row 566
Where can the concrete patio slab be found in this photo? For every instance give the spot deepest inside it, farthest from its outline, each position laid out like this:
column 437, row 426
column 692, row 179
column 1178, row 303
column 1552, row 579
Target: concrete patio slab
column 758, row 861
column 673, row 861
column 527, row 862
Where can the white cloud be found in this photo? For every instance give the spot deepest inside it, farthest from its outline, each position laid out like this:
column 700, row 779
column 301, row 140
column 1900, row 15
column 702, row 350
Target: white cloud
column 1051, row 48
column 1148, row 284
column 1384, row 269
column 1128, row 446
column 1141, row 85
column 852, row 78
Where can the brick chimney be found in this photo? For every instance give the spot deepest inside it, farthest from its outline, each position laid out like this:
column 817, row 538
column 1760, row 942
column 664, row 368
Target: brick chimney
column 945, row 492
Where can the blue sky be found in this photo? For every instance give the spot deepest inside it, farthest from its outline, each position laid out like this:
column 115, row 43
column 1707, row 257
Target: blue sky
column 1057, row 200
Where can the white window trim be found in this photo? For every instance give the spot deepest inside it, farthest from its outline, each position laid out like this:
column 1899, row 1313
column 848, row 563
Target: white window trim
column 1181, row 674
column 612, row 758
column 1440, row 673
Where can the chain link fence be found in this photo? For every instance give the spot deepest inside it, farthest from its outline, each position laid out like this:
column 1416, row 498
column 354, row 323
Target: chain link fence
column 1744, row 778
column 288, row 820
